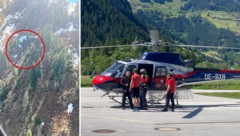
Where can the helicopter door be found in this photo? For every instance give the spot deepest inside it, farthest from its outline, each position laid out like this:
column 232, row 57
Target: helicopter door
column 149, row 69
column 160, row 77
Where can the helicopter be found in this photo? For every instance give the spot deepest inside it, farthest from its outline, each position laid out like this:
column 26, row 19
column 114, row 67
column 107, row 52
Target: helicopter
column 157, row 65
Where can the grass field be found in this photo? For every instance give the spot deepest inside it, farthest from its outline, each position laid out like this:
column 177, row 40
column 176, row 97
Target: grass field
column 169, row 8
column 222, row 19
column 86, row 81
column 234, row 95
column 219, row 85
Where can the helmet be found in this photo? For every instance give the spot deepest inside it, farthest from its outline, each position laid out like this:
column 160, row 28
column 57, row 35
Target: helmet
column 170, row 74
column 143, row 71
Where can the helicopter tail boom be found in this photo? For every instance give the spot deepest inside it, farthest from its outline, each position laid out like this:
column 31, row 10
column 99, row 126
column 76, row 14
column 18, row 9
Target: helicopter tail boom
column 201, row 75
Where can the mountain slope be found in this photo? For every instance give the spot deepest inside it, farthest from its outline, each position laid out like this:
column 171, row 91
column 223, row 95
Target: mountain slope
column 186, row 21
column 198, row 24
column 37, row 101
column 109, row 22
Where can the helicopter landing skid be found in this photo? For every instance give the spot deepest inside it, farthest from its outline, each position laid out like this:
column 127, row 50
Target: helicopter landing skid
column 152, row 102
column 112, row 97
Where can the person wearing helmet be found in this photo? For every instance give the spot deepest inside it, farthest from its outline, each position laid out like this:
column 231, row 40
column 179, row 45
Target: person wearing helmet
column 171, row 86
column 144, row 87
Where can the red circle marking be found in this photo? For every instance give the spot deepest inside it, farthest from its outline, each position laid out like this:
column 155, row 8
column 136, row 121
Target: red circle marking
column 30, row 67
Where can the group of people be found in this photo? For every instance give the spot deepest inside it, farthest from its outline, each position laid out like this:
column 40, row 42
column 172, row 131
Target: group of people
column 135, row 88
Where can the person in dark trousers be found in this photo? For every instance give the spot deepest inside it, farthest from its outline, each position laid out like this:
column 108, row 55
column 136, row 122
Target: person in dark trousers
column 125, row 82
column 144, row 87
column 135, row 89
column 171, row 86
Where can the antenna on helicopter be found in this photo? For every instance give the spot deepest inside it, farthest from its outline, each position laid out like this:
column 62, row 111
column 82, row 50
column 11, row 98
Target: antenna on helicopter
column 93, row 74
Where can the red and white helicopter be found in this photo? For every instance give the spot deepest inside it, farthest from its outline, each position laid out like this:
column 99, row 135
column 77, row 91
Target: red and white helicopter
column 157, row 66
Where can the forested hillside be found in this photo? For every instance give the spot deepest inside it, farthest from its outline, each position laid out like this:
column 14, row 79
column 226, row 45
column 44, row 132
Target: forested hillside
column 35, row 101
column 106, row 22
column 200, row 22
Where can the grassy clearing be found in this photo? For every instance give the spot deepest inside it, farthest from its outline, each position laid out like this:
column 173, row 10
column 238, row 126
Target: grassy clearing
column 222, row 19
column 169, row 8
column 219, row 85
column 234, row 95
column 212, row 54
column 86, row 81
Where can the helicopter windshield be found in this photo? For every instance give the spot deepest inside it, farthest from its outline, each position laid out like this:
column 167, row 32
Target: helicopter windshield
column 115, row 70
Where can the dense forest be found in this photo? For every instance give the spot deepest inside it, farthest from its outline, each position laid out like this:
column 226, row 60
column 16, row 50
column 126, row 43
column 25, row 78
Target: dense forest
column 108, row 22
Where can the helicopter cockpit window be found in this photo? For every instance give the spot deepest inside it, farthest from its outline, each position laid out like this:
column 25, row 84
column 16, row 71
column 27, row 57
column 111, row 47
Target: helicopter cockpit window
column 114, row 71
column 160, row 71
column 130, row 68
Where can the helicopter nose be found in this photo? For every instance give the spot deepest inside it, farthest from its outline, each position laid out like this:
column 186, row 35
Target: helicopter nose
column 101, row 79
column 103, row 82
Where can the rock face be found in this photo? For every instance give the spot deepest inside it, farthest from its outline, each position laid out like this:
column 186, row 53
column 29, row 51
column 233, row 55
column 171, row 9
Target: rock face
column 36, row 101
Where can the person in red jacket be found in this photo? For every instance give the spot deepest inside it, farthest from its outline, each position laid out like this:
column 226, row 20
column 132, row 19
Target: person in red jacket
column 144, row 87
column 171, row 87
column 135, row 89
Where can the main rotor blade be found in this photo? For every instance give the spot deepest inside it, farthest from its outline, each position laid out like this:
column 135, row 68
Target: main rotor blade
column 201, row 46
column 180, row 45
column 99, row 47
